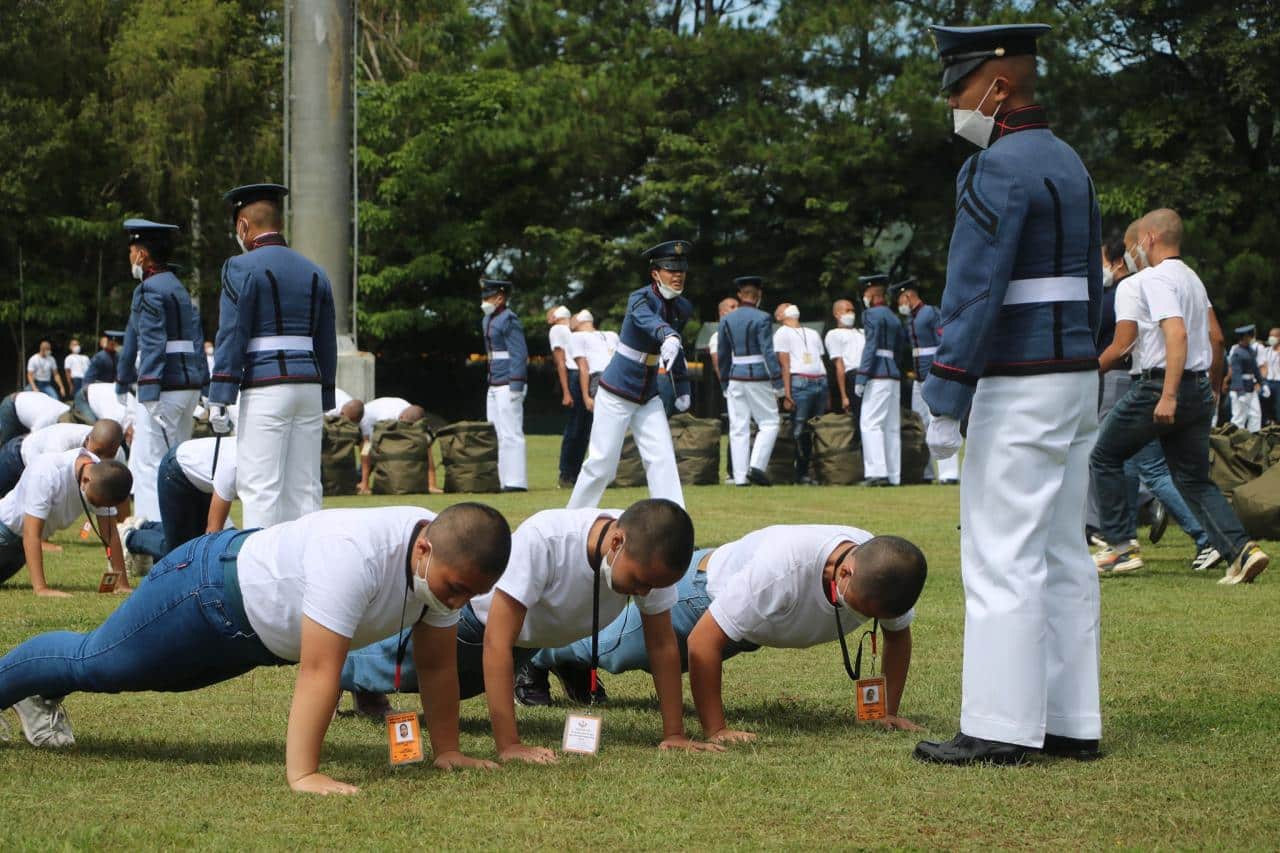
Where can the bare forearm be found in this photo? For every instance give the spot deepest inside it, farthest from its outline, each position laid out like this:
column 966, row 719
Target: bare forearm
column 499, row 676
column 313, row 703
column 706, row 668
column 219, row 509
column 562, row 372
column 840, row 381
column 31, row 540
column 439, row 692
column 897, row 662
column 784, row 360
column 1176, row 361
column 665, row 662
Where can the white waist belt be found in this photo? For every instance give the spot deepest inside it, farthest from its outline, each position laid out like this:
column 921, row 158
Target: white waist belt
column 919, row 351
column 1061, row 288
column 499, row 355
column 748, row 359
column 635, row 355
column 179, row 346
column 884, row 353
column 272, row 342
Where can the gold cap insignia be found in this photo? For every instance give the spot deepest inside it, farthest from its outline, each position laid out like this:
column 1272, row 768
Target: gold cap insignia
column 999, row 51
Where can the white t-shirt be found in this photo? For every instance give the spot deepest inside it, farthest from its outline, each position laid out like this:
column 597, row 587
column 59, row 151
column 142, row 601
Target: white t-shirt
column 805, row 348
column 37, row 410
column 595, row 347
column 76, row 364
column 767, row 589
column 559, row 335
column 1270, row 359
column 42, row 367
column 195, row 457
column 381, row 409
column 341, row 398
column 56, row 438
column 847, row 344
column 342, row 568
column 102, row 399
column 549, row 574
column 1169, row 289
column 48, row 490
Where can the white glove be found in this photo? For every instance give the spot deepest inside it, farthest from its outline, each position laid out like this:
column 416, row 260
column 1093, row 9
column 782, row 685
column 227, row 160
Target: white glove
column 779, row 392
column 1265, row 391
column 122, row 399
column 859, row 390
column 943, row 437
column 219, row 419
column 516, row 396
column 670, row 350
column 682, row 403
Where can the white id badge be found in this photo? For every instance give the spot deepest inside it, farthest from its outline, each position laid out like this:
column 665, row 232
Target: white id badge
column 582, row 734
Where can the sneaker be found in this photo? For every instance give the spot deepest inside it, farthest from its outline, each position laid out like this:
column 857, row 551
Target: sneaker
column 1159, row 522
column 576, row 682
column 1206, row 558
column 44, row 722
column 533, row 688
column 566, row 483
column 1250, row 563
column 1113, row 560
column 135, row 564
column 1097, row 541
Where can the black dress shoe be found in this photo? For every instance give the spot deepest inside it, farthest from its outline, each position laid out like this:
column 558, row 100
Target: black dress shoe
column 514, row 489
column 949, row 482
column 371, row 706
column 962, row 750
column 1159, row 522
column 1070, row 747
column 533, row 688
column 876, row 482
column 576, row 682
column 760, row 478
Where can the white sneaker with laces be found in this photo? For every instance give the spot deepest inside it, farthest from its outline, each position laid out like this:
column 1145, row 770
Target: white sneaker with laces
column 1207, row 558
column 135, row 564
column 44, row 722
column 1250, row 563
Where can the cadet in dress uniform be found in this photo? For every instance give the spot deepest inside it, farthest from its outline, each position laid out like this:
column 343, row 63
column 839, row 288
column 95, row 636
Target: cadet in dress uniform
column 277, row 349
column 923, row 322
column 1246, row 379
column 752, row 382
column 161, row 343
column 879, row 384
column 649, row 352
column 508, row 367
column 1020, row 316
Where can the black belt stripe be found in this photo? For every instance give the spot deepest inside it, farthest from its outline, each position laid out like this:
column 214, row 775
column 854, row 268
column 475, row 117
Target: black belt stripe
column 177, row 313
column 275, row 298
column 315, row 285
column 1057, row 264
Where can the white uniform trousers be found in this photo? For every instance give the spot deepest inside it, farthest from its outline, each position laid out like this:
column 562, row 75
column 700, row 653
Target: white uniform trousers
column 748, row 401
column 507, row 416
column 1246, row 411
column 881, row 427
column 278, row 452
column 153, row 435
column 1031, row 589
column 648, row 424
column 943, row 469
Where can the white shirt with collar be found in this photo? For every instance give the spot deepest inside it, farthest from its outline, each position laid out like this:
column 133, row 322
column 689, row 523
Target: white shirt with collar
column 37, row 410
column 342, row 568
column 195, row 457
column 847, row 344
column 595, row 347
column 767, row 589
column 1169, row 289
column 549, row 574
column 559, row 335
column 381, row 409
column 76, row 364
column 49, row 490
column 42, row 367
column 805, row 348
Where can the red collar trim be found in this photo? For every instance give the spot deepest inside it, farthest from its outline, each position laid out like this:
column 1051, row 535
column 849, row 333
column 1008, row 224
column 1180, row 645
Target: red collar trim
column 156, row 270
column 271, row 238
column 1032, row 117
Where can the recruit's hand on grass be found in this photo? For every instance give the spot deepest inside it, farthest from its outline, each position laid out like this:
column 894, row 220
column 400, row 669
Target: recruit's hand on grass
column 900, row 724
column 526, row 753
column 457, row 761
column 732, row 736
column 48, row 592
column 318, row 783
column 688, row 744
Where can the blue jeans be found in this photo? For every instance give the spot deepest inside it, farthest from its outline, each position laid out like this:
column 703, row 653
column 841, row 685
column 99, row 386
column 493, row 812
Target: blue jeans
column 577, row 433
column 80, row 402
column 10, row 426
column 76, row 384
column 12, row 555
column 182, row 629
column 622, row 647
column 1274, row 403
column 11, row 464
column 184, row 510
column 48, row 389
column 810, row 397
column 1131, row 426
column 372, row 669
column 1148, row 466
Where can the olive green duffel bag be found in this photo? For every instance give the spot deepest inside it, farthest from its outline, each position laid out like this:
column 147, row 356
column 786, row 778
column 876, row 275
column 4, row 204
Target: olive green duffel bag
column 915, row 453
column 697, row 444
column 469, row 453
column 400, row 454
column 837, row 456
column 782, row 464
column 339, row 447
column 630, row 467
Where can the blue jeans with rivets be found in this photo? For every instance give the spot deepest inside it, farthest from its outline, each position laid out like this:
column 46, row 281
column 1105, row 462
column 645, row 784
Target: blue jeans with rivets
column 183, row 628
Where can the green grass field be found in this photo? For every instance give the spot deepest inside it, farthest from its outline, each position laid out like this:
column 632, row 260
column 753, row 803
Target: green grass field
column 1191, row 698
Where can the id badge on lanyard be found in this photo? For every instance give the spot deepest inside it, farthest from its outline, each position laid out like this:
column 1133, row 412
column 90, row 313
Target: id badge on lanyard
column 582, row 731
column 869, row 693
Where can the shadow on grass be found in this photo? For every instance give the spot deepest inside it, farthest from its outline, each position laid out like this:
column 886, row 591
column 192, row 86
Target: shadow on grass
column 210, row 752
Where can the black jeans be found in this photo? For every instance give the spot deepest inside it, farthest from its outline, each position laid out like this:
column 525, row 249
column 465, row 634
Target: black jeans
column 1129, row 428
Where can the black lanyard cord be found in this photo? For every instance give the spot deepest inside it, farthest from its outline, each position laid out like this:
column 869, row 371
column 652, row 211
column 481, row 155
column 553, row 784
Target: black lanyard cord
column 854, row 668
column 89, row 516
column 595, row 604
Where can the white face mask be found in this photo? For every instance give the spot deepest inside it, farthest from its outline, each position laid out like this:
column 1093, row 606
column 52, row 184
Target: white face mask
column 422, row 592
column 561, row 313
column 669, row 293
column 1108, row 278
column 866, row 302
column 791, row 312
column 136, row 269
column 75, row 349
column 904, row 310
column 1272, row 341
column 846, row 320
column 487, row 307
column 972, row 125
column 606, row 570
column 840, row 595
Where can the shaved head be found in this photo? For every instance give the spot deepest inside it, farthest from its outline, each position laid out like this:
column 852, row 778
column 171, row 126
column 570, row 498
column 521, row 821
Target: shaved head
column 1166, row 225
column 841, row 306
column 413, row 414
column 109, row 483
column 353, row 410
column 104, row 439
column 263, row 215
column 726, row 305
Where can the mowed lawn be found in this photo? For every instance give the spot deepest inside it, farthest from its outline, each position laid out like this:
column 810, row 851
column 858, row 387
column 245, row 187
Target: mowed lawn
column 1191, row 697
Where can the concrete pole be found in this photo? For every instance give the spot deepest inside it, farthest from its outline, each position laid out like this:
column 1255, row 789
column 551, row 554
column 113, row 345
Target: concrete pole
column 320, row 144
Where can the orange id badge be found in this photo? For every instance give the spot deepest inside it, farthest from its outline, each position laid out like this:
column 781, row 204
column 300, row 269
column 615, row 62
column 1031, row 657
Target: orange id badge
column 108, row 582
column 870, row 693
column 404, row 739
